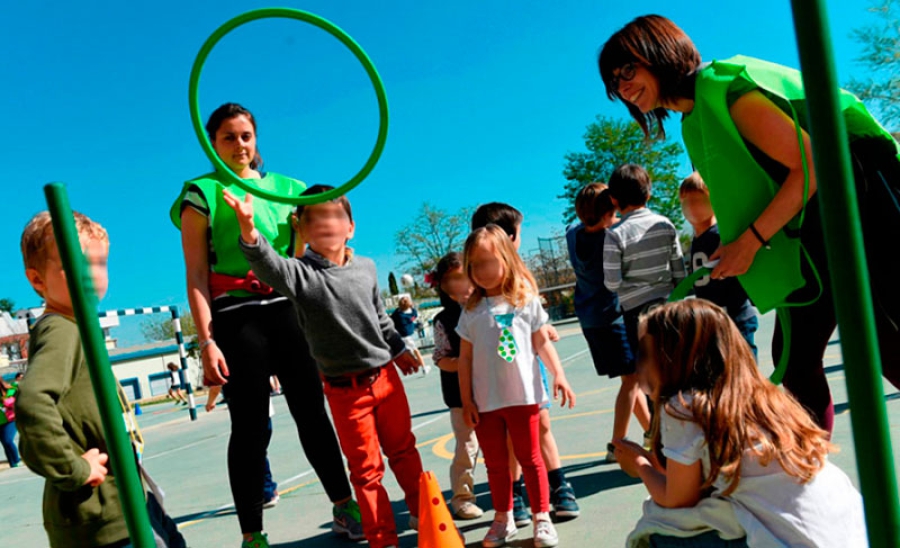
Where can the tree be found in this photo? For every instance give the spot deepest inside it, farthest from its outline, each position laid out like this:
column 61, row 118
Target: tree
column 432, row 234
column 392, row 284
column 7, row 305
column 160, row 328
column 881, row 58
column 611, row 143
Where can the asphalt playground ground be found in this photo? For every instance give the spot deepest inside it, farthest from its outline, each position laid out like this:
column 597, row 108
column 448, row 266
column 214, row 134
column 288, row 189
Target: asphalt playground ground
column 188, row 460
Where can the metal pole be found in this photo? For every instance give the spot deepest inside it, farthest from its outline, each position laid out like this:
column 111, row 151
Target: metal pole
column 182, row 372
column 850, row 279
column 84, row 304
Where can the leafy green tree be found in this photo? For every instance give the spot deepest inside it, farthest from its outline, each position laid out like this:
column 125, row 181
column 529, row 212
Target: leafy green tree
column 7, row 305
column 432, row 234
column 160, row 328
column 610, row 143
column 880, row 57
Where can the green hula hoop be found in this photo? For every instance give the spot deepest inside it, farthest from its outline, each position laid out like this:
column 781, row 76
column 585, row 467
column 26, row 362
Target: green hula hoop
column 287, row 13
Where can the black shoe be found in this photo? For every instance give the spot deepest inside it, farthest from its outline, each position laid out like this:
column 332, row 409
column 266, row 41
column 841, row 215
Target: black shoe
column 563, row 500
column 521, row 516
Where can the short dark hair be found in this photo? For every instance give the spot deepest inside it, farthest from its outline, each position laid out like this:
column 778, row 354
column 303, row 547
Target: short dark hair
column 663, row 49
column 497, row 213
column 592, row 203
column 448, row 262
column 630, row 185
column 318, row 189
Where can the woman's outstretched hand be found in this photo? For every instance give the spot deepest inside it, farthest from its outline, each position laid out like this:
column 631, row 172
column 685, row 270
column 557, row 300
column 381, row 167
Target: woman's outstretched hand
column 244, row 211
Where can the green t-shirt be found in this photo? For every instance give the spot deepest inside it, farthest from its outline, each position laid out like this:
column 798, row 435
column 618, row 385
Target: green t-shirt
column 58, row 421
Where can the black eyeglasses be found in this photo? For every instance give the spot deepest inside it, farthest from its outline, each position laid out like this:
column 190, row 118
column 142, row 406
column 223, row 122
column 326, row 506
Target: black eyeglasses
column 626, row 74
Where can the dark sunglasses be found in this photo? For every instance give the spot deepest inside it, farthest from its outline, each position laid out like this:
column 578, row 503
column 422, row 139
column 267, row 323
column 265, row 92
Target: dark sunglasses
column 626, row 74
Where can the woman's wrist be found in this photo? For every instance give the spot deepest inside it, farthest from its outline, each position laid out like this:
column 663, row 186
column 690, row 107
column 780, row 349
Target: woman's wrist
column 206, row 343
column 759, row 237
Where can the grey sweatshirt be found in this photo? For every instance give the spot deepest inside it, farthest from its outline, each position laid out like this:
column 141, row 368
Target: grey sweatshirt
column 339, row 307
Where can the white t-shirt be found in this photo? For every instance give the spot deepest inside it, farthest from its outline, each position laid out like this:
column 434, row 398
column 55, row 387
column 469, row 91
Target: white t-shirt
column 497, row 383
column 772, row 508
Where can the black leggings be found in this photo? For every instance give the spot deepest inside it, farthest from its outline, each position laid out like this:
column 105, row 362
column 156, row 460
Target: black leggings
column 259, row 341
column 877, row 176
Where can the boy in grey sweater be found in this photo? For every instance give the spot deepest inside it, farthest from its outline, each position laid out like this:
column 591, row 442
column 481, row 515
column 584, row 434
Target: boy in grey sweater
column 354, row 342
column 642, row 259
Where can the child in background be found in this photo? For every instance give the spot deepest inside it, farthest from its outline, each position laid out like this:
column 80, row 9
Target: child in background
column 454, row 289
column 61, row 434
column 500, row 380
column 742, row 456
column 406, row 318
column 175, row 391
column 727, row 292
column 336, row 298
column 562, row 496
column 642, row 260
column 597, row 308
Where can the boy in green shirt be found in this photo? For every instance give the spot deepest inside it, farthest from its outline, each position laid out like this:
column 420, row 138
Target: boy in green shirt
column 61, row 435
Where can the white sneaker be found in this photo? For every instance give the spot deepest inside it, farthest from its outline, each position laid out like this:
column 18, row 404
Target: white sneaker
column 499, row 534
column 272, row 501
column 545, row 534
column 468, row 510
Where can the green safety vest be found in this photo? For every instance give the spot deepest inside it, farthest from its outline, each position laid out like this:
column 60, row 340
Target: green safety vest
column 272, row 219
column 739, row 188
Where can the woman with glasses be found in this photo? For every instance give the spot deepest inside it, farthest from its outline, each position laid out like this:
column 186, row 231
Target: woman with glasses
column 744, row 123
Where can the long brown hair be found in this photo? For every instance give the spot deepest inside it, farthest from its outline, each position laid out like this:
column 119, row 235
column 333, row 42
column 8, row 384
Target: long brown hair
column 518, row 284
column 665, row 50
column 699, row 351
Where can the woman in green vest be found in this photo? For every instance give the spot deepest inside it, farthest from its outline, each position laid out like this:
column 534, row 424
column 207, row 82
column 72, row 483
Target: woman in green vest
column 745, row 127
column 247, row 332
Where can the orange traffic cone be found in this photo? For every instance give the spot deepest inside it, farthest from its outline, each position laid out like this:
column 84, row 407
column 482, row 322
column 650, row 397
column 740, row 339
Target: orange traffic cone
column 436, row 527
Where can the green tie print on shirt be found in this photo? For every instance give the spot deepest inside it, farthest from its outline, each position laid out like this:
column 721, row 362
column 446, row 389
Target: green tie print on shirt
column 506, row 345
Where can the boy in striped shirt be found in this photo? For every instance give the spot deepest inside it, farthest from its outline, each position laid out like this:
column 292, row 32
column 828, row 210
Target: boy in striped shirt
column 642, row 260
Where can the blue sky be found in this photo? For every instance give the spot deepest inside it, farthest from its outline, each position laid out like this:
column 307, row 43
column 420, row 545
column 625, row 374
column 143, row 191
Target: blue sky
column 485, row 99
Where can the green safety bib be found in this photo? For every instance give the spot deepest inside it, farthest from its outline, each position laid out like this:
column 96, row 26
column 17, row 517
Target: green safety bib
column 272, row 219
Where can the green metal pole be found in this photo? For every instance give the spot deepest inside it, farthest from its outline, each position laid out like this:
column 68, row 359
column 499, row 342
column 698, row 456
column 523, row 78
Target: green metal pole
column 84, row 304
column 849, row 275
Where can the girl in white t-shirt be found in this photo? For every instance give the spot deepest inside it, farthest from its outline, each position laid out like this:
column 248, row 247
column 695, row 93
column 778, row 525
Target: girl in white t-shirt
column 500, row 380
column 736, row 461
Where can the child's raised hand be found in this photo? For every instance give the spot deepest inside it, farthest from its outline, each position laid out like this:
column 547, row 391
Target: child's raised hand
column 563, row 391
column 97, row 461
column 244, row 211
column 470, row 414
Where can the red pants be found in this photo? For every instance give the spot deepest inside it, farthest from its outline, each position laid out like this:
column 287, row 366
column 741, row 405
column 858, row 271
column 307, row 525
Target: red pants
column 522, row 424
column 369, row 420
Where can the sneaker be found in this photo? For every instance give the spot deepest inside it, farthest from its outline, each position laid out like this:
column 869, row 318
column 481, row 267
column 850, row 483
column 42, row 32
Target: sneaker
column 468, row 510
column 610, row 452
column 564, row 503
column 499, row 534
column 347, row 520
column 545, row 534
column 272, row 501
column 259, row 540
column 521, row 516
